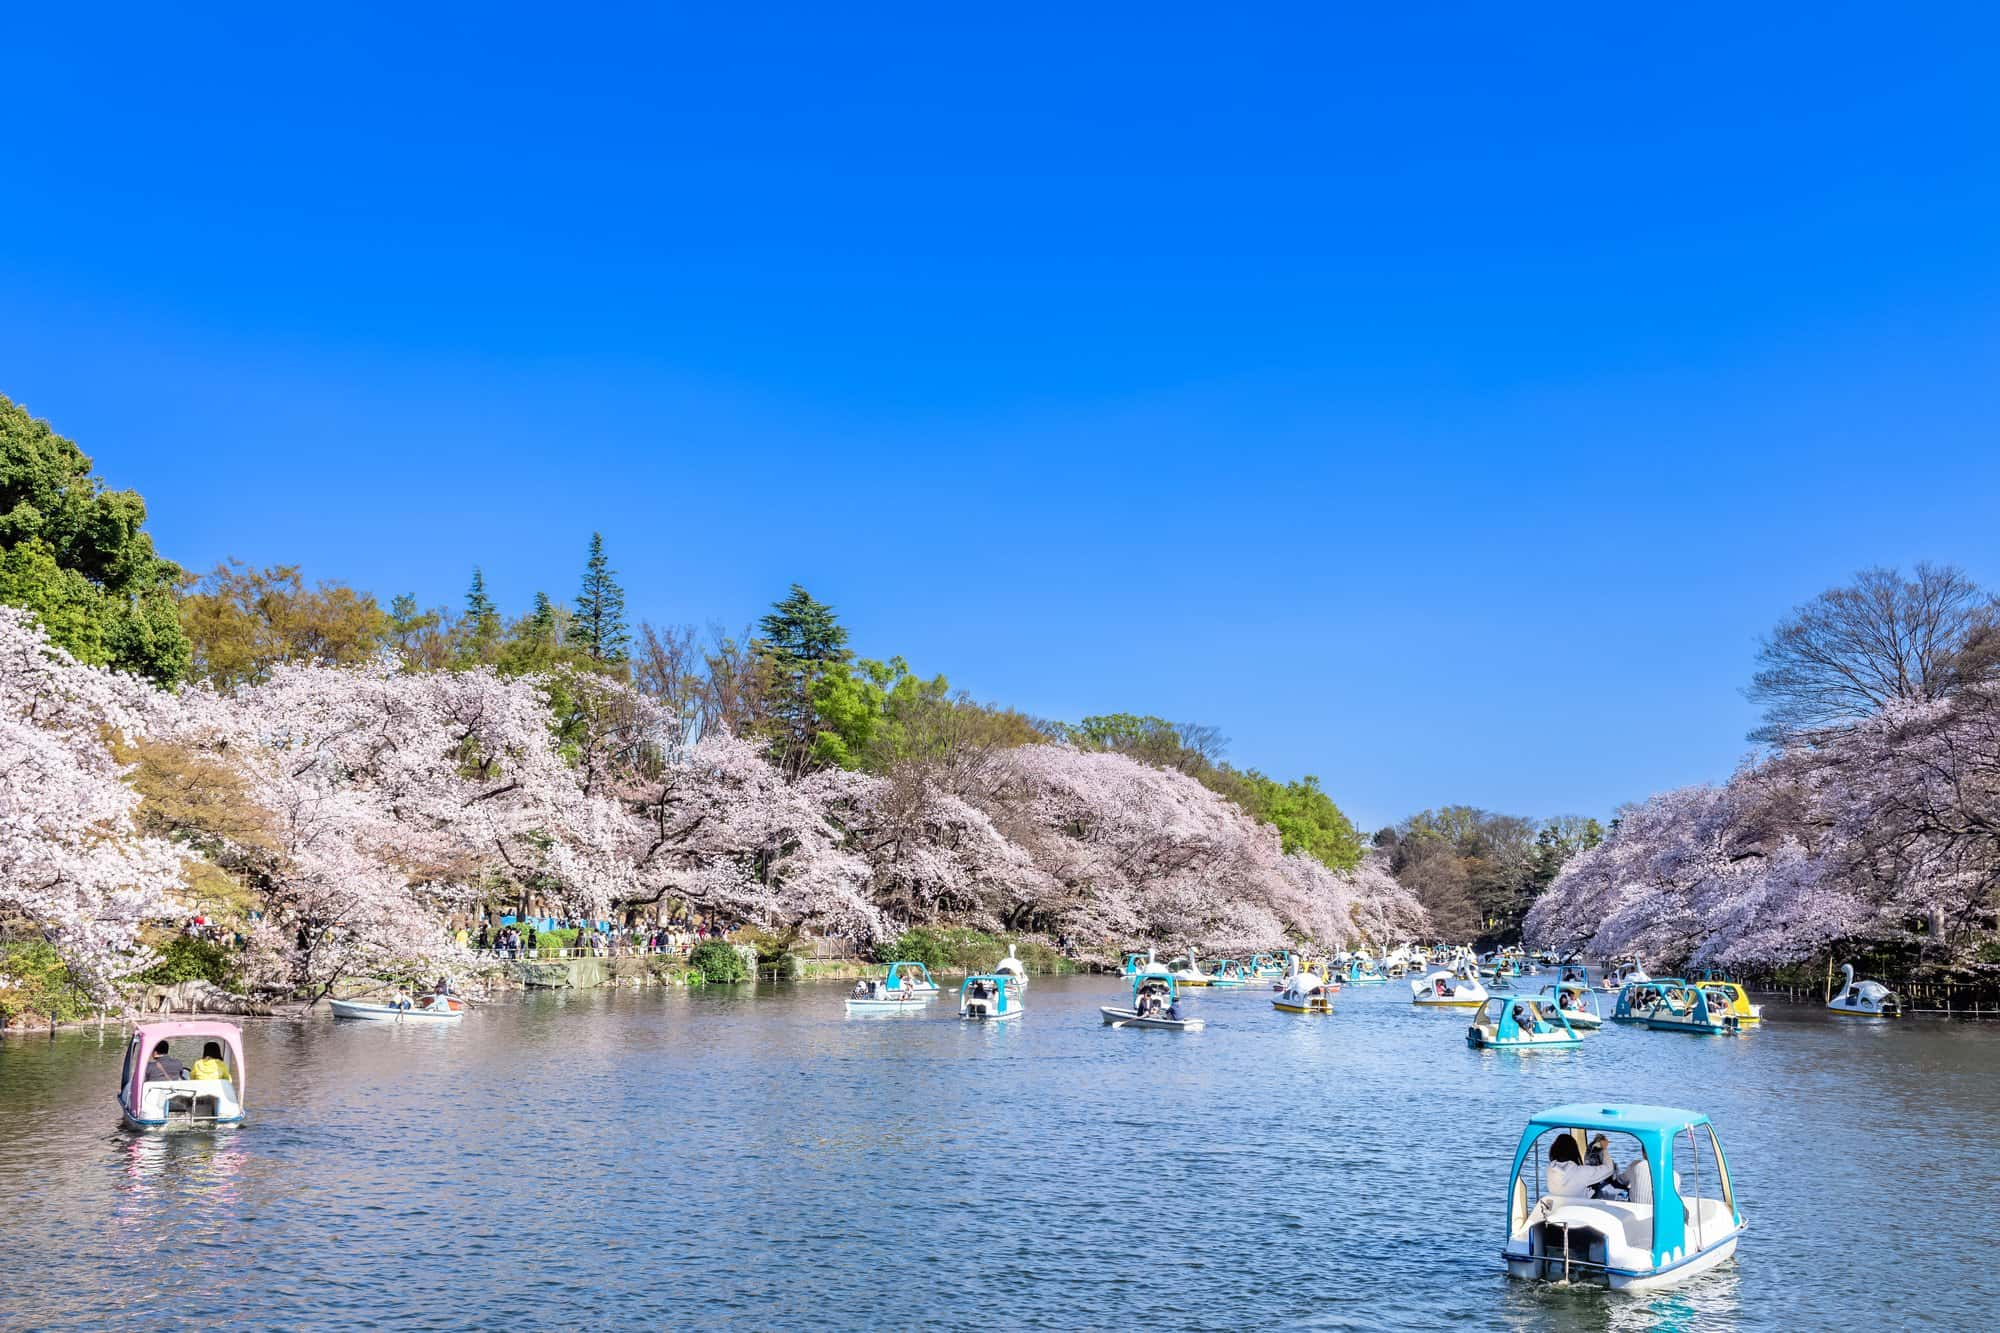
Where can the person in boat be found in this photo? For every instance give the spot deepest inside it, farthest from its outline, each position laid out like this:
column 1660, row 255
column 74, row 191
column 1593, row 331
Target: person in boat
column 1174, row 1009
column 163, row 1067
column 1443, row 988
column 211, row 1064
column 1569, row 1175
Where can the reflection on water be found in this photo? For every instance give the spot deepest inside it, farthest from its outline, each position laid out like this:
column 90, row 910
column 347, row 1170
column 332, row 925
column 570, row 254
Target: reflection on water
column 756, row 1158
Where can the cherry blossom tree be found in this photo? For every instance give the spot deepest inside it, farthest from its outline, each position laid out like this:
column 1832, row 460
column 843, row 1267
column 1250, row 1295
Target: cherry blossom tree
column 72, row 866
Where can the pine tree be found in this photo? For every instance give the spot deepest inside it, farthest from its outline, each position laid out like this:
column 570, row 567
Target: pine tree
column 801, row 643
column 541, row 627
column 482, row 618
column 600, row 609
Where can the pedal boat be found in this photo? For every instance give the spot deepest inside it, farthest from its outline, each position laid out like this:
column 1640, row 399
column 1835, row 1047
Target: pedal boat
column 1457, row 989
column 1864, row 999
column 1614, row 980
column 1012, row 968
column 986, row 997
column 1152, row 993
column 1578, row 1005
column 1699, row 1010
column 1739, row 999
column 1679, row 1220
column 1362, row 972
column 429, row 1009
column 1638, row 999
column 1499, row 1026
column 190, row 1103
column 1188, row 971
column 879, row 999
column 1263, row 967
column 1227, row 974
column 1305, row 993
column 911, row 978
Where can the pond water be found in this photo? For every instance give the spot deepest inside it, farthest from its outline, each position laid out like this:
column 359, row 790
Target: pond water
column 755, row 1158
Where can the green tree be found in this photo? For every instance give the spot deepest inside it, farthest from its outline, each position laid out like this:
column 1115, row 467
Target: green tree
column 600, row 609
column 243, row 621
column 77, row 555
column 1559, row 839
column 481, row 626
column 540, row 626
column 1307, row 820
column 802, row 645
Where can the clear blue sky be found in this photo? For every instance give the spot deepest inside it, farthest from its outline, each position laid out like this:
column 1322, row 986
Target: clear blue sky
column 1438, row 401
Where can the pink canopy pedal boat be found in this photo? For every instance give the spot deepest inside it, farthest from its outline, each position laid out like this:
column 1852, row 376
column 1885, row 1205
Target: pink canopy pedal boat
column 156, row 1103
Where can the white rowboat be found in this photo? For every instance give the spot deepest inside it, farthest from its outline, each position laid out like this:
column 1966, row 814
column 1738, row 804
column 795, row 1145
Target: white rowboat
column 449, row 1009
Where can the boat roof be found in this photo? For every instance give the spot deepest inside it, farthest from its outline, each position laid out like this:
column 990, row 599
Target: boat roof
column 1627, row 1117
column 149, row 1033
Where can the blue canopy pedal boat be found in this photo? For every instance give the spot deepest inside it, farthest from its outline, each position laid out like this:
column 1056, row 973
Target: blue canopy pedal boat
column 1521, row 1023
column 986, row 996
column 1573, row 1216
column 1704, row 1011
column 1578, row 1005
column 1638, row 999
column 907, row 978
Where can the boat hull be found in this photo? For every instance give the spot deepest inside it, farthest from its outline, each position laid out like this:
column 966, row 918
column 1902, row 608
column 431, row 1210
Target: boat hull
column 981, row 1016
column 1693, row 1029
column 1621, row 1279
column 368, row 1012
column 1126, row 1018
column 1476, row 1039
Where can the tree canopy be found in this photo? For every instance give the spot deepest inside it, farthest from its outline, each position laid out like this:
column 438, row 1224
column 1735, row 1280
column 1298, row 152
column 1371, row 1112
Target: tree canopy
column 77, row 555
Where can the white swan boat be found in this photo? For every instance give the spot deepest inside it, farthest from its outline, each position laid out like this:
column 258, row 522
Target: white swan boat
column 1615, row 979
column 1864, row 999
column 1187, row 971
column 1305, row 993
column 1012, row 968
column 1456, row 989
column 430, row 1009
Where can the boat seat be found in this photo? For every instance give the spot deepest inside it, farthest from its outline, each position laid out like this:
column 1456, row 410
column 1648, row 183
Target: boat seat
column 1629, row 1223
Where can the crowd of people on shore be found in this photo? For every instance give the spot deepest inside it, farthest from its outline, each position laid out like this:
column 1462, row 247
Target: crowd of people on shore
column 592, row 939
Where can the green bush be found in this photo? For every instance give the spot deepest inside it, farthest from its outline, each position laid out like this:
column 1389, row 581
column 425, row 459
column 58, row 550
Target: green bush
column 184, row 958
column 718, row 960
column 563, row 937
column 963, row 949
column 33, row 980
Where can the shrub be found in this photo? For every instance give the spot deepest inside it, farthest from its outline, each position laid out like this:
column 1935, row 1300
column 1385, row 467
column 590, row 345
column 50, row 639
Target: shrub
column 717, row 960
column 563, row 937
column 963, row 949
column 33, row 980
column 184, row 958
